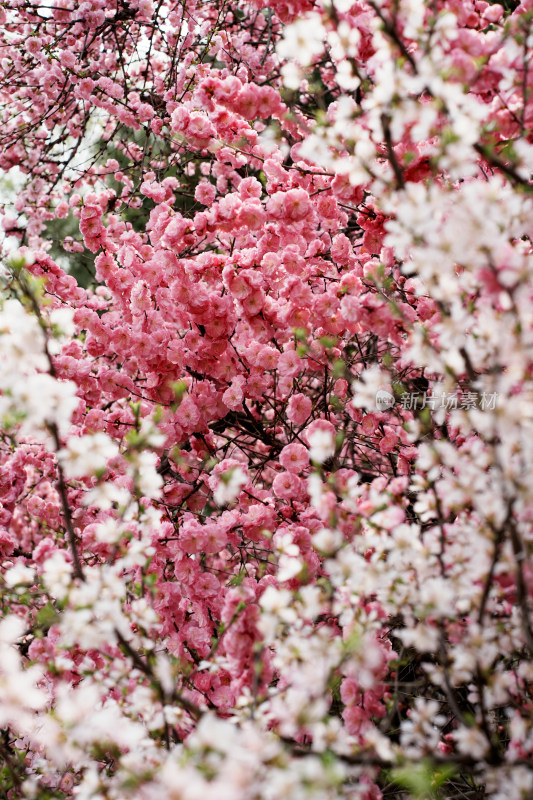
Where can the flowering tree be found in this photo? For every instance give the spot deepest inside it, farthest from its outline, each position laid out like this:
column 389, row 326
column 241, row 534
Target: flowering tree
column 265, row 484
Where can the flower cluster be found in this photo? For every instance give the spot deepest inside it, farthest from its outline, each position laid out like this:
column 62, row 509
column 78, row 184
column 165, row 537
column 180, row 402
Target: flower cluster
column 236, row 559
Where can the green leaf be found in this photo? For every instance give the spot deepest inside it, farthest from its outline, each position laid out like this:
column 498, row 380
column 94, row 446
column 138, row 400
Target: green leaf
column 46, row 616
column 423, row 780
column 238, row 579
column 179, row 388
column 338, row 368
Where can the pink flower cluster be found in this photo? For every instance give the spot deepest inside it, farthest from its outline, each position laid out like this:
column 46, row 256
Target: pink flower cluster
column 239, row 559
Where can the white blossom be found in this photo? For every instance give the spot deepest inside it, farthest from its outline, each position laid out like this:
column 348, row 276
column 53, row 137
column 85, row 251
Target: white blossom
column 321, row 446
column 57, row 574
column 19, row 574
column 87, row 455
column 229, row 486
column 303, row 40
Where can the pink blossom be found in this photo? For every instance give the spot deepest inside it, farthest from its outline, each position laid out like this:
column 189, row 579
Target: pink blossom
column 227, row 89
column 85, row 87
column 250, row 188
column 294, row 458
column 388, row 442
column 199, row 130
column 233, row 396
column 289, row 363
column 202, row 532
column 288, row 486
column 268, row 358
column 141, row 300
column 205, row 193
column 247, row 101
column 299, row 408
column 296, row 204
column 67, row 59
column 252, row 215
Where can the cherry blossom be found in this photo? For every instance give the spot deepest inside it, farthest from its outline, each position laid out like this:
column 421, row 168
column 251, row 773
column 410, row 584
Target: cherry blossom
column 265, row 400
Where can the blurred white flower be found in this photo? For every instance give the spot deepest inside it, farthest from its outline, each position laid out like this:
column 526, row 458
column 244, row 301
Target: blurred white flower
column 229, row 486
column 303, row 40
column 149, row 481
column 87, row 455
column 321, row 446
column 20, row 696
column 57, row 573
column 471, row 741
column 366, row 388
column 105, row 494
column 19, row 574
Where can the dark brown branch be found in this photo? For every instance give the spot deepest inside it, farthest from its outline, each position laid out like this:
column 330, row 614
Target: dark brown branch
column 507, row 169
column 147, row 670
column 391, row 155
column 390, row 29
column 521, row 589
column 62, row 488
